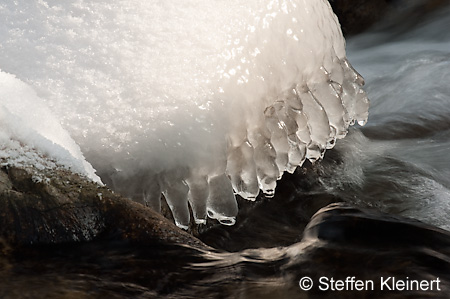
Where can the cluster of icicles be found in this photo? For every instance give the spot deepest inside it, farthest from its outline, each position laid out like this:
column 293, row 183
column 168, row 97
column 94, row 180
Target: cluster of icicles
column 199, row 101
column 301, row 124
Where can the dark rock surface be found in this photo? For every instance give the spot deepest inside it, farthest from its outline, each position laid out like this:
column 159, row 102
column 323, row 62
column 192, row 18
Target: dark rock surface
column 64, row 207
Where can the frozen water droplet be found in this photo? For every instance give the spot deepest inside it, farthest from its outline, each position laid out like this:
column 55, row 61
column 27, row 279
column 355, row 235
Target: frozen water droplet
column 228, row 221
column 331, row 143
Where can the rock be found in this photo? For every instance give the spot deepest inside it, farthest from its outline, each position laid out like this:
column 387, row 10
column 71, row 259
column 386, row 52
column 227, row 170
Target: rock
column 59, row 232
column 55, row 206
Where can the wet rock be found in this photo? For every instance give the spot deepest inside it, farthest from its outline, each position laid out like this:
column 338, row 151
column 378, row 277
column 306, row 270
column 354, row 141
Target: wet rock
column 56, row 206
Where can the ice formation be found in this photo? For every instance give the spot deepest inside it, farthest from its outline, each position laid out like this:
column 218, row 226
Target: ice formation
column 196, row 100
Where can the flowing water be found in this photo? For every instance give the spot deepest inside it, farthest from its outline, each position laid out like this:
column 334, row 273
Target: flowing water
column 398, row 163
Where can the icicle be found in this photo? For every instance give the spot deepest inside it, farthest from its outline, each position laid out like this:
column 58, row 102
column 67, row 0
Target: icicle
column 152, row 194
column 278, row 138
column 319, row 126
column 242, row 170
column 221, row 203
column 197, row 196
column 177, row 198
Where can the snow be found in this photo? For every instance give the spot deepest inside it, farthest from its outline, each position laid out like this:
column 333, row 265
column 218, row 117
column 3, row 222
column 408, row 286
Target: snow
column 29, row 132
column 195, row 100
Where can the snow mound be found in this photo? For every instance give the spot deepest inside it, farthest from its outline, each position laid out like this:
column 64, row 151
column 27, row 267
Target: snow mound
column 196, row 100
column 30, row 136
